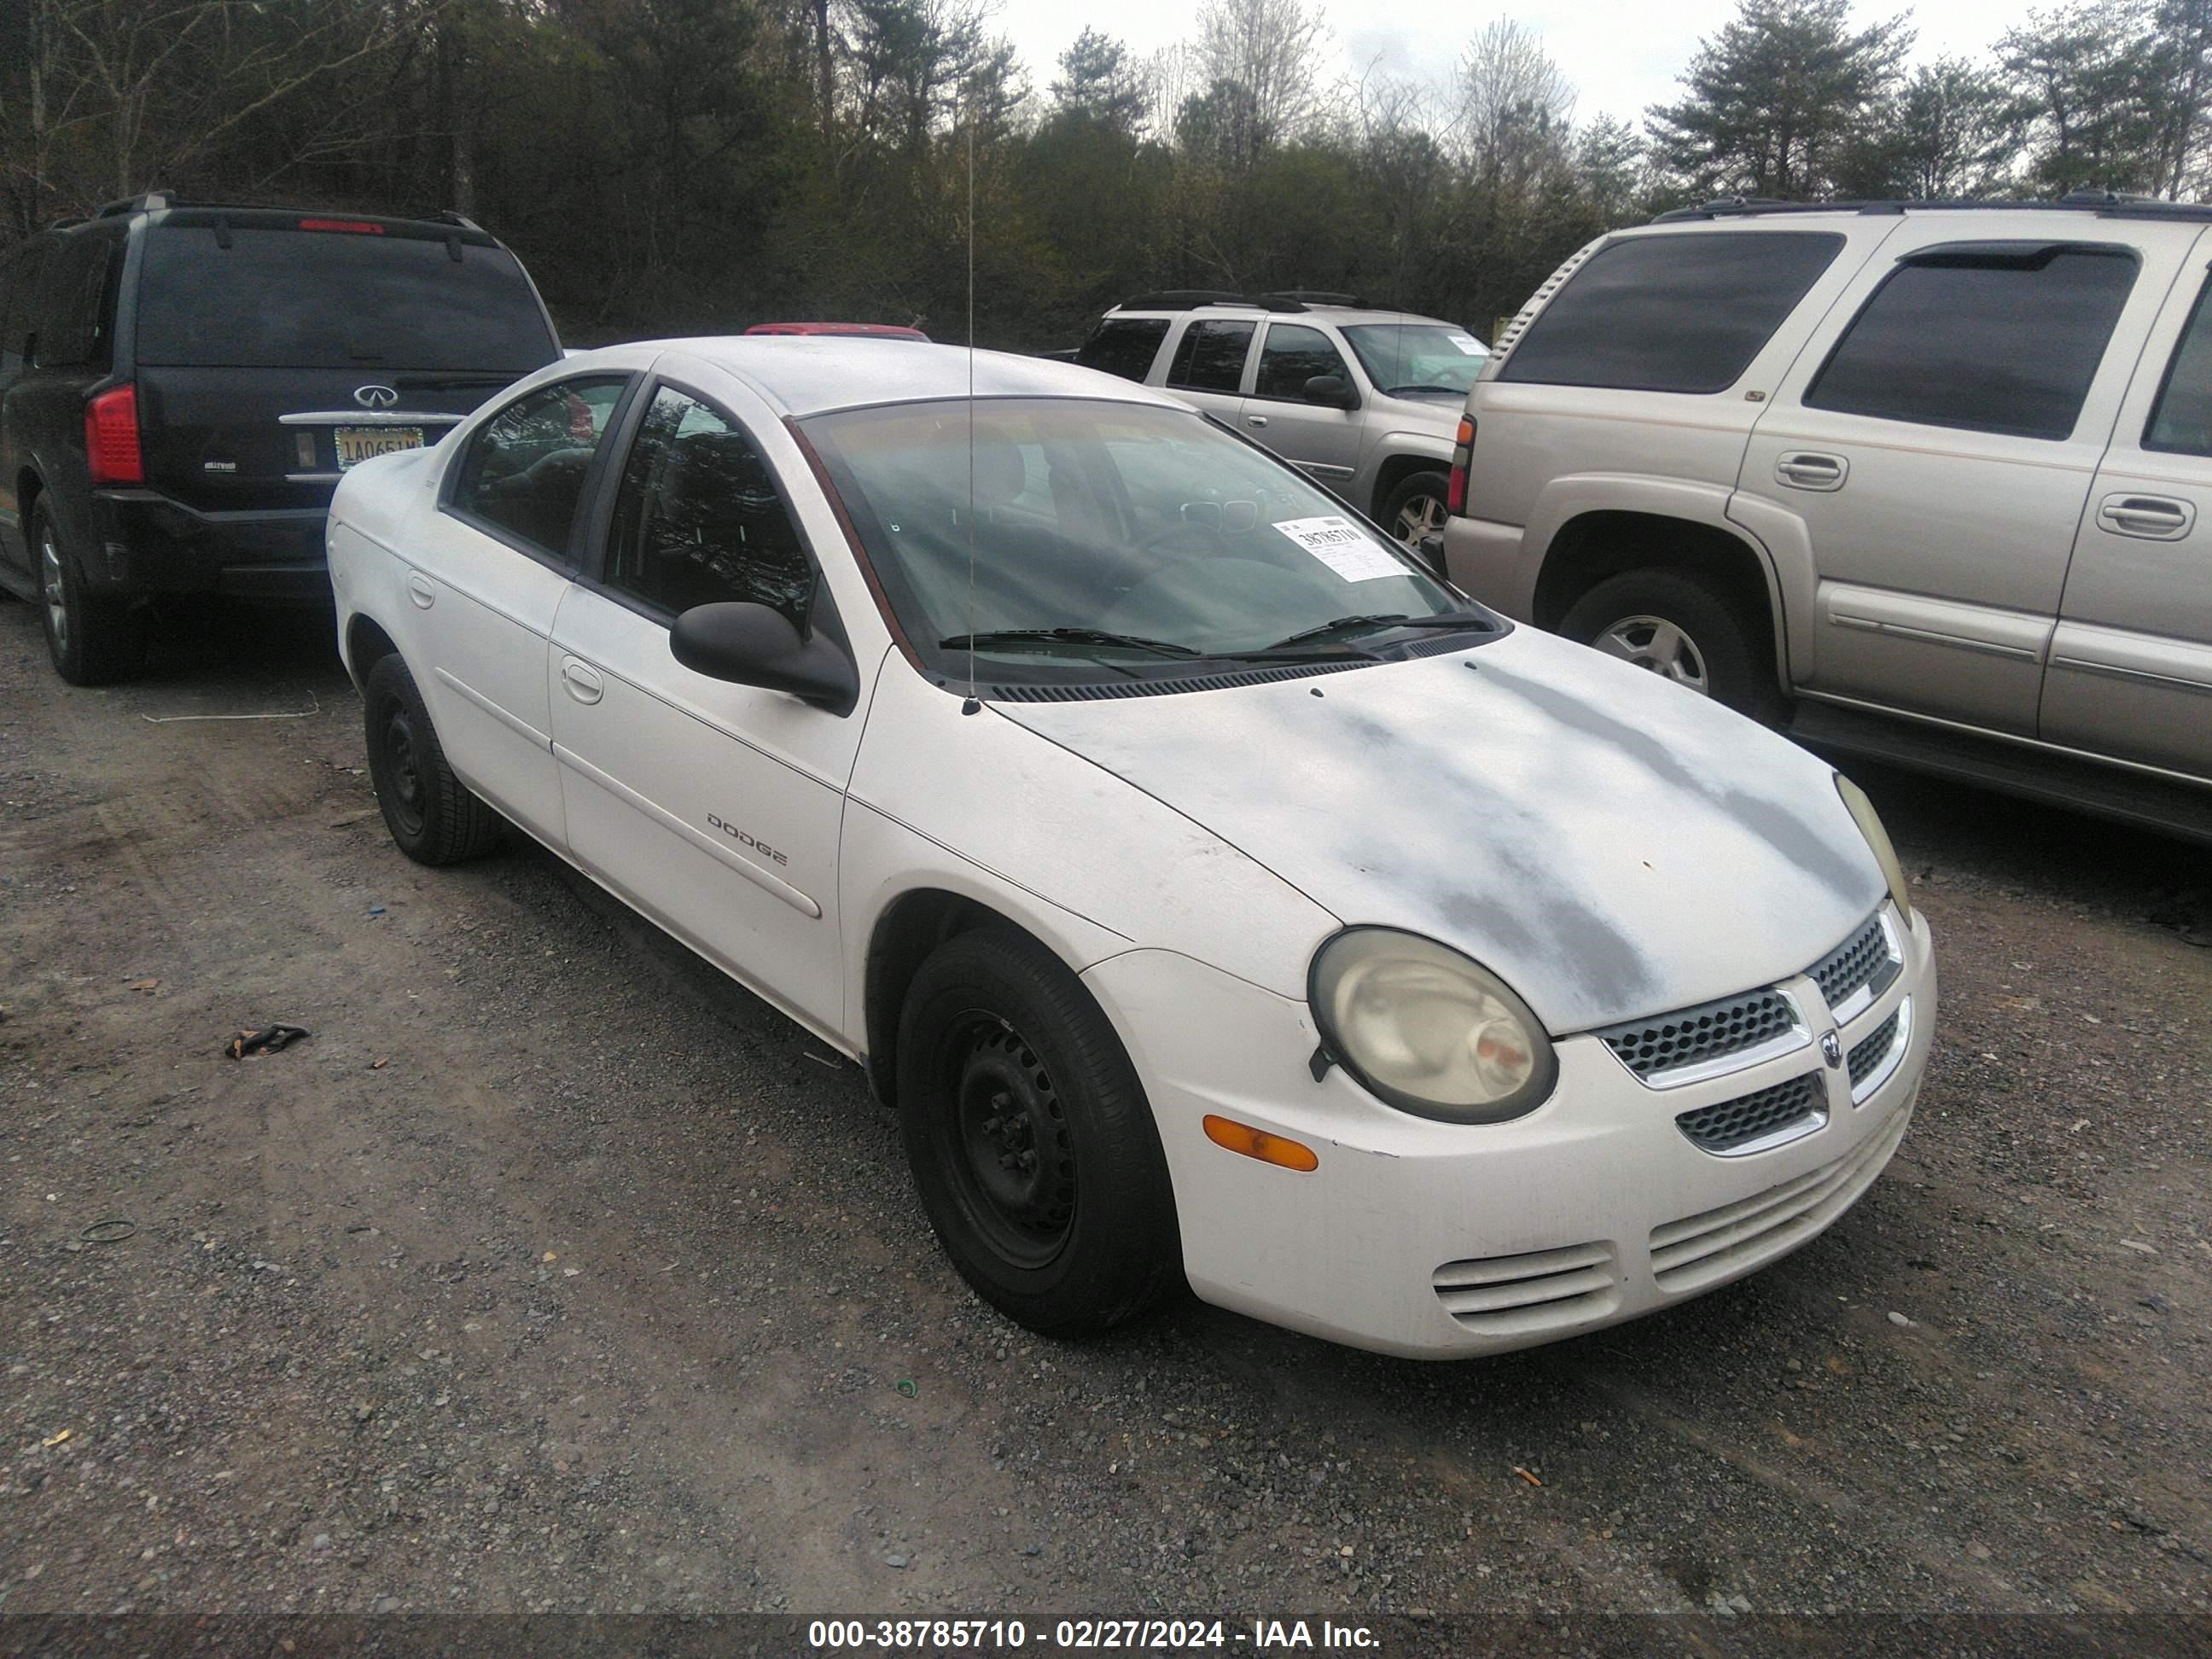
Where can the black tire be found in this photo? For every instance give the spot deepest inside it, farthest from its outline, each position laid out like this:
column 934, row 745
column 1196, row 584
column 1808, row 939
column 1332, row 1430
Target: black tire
column 431, row 815
column 92, row 642
column 1416, row 509
column 1731, row 649
column 1002, row 1052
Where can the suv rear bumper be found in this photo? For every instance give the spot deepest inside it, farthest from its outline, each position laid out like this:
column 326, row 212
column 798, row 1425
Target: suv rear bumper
column 145, row 543
column 1483, row 559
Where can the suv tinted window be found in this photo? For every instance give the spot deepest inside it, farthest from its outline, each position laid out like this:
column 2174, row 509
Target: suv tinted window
column 300, row 299
column 1294, row 354
column 1124, row 346
column 1684, row 313
column 73, row 309
column 1212, row 356
column 2182, row 419
column 2000, row 343
column 697, row 520
column 525, row 466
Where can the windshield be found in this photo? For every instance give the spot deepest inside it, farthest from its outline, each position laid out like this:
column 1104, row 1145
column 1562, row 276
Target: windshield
column 1412, row 357
column 1152, row 534
column 248, row 298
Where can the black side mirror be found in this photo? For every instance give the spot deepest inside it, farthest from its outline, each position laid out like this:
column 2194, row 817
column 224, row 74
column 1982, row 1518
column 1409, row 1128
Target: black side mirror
column 752, row 645
column 1333, row 390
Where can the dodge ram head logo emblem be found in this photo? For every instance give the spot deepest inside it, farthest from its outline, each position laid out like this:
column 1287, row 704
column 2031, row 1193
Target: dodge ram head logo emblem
column 375, row 396
column 1831, row 1048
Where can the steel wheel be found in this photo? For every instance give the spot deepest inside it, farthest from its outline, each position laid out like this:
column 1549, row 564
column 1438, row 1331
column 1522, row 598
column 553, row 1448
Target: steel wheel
column 1419, row 516
column 1015, row 1165
column 52, row 590
column 411, row 798
column 1661, row 647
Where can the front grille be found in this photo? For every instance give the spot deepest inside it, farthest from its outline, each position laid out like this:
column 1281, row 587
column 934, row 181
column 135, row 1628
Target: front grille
column 1871, row 1051
column 1735, row 1123
column 1528, row 1294
column 1653, row 1047
column 1864, row 959
column 1700, row 1250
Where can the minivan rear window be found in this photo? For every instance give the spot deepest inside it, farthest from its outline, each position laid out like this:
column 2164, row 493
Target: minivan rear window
column 1685, row 313
column 280, row 298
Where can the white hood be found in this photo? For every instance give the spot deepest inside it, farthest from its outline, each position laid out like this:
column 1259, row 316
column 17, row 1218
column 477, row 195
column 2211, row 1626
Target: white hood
column 1609, row 844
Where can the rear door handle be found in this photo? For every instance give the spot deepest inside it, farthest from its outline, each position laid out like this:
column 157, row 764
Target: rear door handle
column 1255, row 420
column 420, row 589
column 1802, row 469
column 2154, row 518
column 582, row 679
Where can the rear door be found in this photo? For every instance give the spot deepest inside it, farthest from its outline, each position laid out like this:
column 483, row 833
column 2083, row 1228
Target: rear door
column 2130, row 672
column 1936, row 442
column 18, row 283
column 1206, row 369
column 1316, row 438
column 273, row 352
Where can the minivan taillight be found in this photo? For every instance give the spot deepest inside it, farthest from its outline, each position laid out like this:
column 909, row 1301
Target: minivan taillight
column 1463, row 453
column 111, row 437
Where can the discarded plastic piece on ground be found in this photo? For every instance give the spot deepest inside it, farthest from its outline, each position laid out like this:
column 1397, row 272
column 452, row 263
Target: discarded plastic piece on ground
column 105, row 1232
column 267, row 1041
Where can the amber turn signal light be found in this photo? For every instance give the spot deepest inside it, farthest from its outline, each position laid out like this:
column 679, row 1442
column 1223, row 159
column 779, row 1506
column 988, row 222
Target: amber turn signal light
column 1258, row 1143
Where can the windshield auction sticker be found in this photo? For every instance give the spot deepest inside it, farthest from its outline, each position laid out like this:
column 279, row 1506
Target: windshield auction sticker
column 1467, row 344
column 1342, row 546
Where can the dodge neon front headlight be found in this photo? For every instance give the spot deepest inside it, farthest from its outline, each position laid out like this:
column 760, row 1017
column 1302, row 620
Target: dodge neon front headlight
column 1426, row 1030
column 1877, row 838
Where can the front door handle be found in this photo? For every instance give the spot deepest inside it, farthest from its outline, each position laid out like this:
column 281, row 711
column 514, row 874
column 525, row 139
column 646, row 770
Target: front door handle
column 582, row 679
column 1255, row 420
column 419, row 589
column 2154, row 518
column 1801, row 469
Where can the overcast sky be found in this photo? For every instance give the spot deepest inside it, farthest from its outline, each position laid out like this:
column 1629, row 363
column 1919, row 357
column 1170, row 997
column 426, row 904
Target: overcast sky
column 1621, row 54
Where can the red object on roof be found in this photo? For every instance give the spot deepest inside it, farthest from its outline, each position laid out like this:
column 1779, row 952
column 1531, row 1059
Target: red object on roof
column 874, row 330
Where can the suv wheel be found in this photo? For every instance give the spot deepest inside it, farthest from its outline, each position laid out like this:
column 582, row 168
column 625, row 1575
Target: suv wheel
column 1416, row 509
column 1685, row 630
column 1031, row 1141
column 431, row 812
column 92, row 642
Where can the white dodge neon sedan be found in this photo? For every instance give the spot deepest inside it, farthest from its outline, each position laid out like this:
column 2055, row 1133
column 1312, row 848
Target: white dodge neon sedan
column 1216, row 896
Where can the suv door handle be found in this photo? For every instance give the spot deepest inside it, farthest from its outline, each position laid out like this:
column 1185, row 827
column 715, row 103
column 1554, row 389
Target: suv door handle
column 582, row 679
column 1801, row 469
column 2155, row 518
column 1255, row 420
column 420, row 589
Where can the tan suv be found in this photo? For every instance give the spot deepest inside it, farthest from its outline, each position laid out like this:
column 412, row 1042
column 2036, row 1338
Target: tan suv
column 1924, row 483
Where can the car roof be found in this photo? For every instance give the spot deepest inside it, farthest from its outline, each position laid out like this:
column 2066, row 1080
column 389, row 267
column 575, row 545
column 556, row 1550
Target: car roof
column 811, row 373
column 1342, row 316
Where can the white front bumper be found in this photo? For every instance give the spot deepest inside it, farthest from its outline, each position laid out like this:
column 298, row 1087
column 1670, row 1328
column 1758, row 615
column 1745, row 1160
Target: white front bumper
column 1442, row 1240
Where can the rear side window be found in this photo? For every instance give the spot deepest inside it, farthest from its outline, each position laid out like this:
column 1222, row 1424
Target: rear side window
column 1671, row 314
column 1294, row 354
column 1996, row 341
column 73, row 305
column 22, row 288
column 1212, row 356
column 525, row 470
column 2182, row 419
column 1124, row 346
column 305, row 299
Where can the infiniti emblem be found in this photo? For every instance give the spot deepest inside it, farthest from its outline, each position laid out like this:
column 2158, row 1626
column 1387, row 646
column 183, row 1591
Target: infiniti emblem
column 375, row 396
column 1831, row 1048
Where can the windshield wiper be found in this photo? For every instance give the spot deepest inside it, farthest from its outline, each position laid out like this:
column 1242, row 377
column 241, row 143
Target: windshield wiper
column 999, row 636
column 1378, row 622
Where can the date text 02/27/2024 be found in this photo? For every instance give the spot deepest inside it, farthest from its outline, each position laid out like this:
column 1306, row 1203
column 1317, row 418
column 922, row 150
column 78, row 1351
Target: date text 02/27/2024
column 1087, row 1635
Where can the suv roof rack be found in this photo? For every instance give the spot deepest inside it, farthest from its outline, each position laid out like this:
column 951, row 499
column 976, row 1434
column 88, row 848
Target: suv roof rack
column 1298, row 299
column 1181, row 298
column 2105, row 204
column 152, row 201
column 450, row 217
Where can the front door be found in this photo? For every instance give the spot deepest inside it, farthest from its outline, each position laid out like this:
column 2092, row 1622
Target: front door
column 713, row 807
column 1316, row 438
column 1938, row 451
column 2130, row 672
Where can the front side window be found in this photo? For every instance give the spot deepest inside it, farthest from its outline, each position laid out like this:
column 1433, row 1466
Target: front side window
column 1407, row 358
column 1124, row 346
column 697, row 520
column 1294, row 354
column 1680, row 312
column 1148, row 524
column 524, row 468
column 1211, row 357
column 2002, row 339
column 2181, row 422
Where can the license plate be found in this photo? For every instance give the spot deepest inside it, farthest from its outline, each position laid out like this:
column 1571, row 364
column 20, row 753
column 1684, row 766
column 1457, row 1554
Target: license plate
column 358, row 443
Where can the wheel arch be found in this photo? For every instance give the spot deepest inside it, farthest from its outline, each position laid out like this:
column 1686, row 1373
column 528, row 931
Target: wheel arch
column 1395, row 471
column 366, row 644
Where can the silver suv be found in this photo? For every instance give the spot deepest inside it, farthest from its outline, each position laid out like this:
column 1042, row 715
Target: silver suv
column 1931, row 484
column 1365, row 401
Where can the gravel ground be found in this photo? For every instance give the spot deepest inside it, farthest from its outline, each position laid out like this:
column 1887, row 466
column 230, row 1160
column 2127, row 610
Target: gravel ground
column 554, row 1273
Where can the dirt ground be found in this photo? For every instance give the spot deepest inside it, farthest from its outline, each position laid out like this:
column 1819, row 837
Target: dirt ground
column 554, row 1273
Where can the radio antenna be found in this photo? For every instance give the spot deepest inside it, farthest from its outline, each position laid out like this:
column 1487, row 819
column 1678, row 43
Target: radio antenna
column 974, row 703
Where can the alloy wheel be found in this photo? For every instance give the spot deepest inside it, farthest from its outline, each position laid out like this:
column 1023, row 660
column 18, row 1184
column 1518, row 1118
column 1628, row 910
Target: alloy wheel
column 54, row 593
column 1658, row 646
column 1423, row 515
